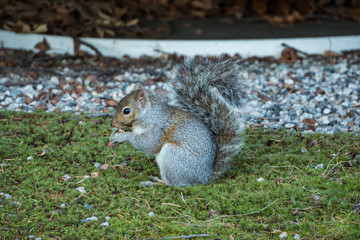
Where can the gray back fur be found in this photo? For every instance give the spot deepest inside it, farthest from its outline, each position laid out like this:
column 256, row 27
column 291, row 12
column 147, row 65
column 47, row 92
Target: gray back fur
column 210, row 89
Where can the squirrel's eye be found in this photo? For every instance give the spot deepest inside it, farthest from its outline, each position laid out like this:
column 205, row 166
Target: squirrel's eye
column 126, row 111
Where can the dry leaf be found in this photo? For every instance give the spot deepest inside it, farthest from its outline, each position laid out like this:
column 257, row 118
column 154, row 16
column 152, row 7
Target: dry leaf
column 95, row 174
column 43, row 153
column 43, row 46
column 42, row 28
column 289, row 55
column 132, row 23
column 309, row 121
column 110, row 102
column 104, row 166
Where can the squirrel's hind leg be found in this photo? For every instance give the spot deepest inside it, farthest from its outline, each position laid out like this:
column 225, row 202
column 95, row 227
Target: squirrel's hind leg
column 180, row 169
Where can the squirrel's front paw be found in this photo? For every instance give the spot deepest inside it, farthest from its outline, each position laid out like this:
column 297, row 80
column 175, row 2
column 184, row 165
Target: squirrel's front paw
column 118, row 137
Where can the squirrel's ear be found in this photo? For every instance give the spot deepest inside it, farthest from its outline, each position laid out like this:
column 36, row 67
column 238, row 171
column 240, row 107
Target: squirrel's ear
column 138, row 86
column 140, row 97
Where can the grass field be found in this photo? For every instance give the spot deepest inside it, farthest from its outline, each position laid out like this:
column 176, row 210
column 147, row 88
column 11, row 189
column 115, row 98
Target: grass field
column 303, row 184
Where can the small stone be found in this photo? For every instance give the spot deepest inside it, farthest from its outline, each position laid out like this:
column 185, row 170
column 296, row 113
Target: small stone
column 97, row 165
column 315, row 197
column 29, row 158
column 63, row 205
column 81, row 190
column 260, row 179
column 93, row 218
column 283, row 235
column 89, row 219
column 7, row 196
column 105, row 224
column 54, row 80
column 146, row 184
column 107, row 218
column 14, row 203
column 319, row 166
column 303, row 150
column 66, row 177
column 296, row 236
column 81, row 123
column 289, row 125
column 151, row 214
column 88, row 206
column 38, row 238
column 357, row 157
column 326, row 111
column 31, row 236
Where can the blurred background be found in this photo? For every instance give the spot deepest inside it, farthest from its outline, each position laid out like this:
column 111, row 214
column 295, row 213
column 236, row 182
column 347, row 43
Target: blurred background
column 182, row 19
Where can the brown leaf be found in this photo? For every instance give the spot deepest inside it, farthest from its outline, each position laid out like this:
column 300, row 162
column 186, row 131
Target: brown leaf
column 104, row 166
column 259, row 6
column 330, row 54
column 289, row 55
column 309, row 121
column 110, row 102
column 95, row 174
column 284, row 6
column 110, row 144
column 28, row 100
column 122, row 166
column 132, row 22
column 43, row 46
column 295, row 212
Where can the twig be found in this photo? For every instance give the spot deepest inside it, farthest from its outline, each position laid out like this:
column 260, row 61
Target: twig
column 188, row 236
column 295, row 49
column 243, row 214
column 189, row 224
column 333, row 159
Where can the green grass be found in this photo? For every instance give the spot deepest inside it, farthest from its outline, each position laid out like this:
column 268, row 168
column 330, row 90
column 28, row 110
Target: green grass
column 236, row 206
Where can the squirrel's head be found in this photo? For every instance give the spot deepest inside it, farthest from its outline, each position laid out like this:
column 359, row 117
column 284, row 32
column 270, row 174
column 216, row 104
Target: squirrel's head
column 129, row 108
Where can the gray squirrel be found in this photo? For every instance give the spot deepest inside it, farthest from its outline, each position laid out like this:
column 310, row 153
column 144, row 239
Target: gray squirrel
column 194, row 140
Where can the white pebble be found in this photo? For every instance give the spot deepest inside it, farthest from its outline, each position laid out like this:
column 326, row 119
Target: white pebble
column 55, row 80
column 105, row 224
column 283, row 235
column 66, row 177
column 151, row 214
column 327, row 111
column 81, row 190
column 296, row 236
column 260, row 179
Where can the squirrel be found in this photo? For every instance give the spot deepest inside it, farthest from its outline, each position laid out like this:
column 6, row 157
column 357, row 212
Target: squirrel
column 195, row 139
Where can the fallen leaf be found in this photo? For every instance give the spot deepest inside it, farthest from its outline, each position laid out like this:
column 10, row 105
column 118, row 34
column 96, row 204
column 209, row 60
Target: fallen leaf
column 43, row 153
column 289, row 56
column 42, row 28
column 110, row 102
column 104, row 166
column 95, row 174
column 43, row 46
column 309, row 121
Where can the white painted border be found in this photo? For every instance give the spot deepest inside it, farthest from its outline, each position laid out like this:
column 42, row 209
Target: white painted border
column 136, row 48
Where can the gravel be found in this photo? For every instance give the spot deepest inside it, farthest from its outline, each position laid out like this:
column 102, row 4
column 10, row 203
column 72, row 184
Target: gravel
column 311, row 95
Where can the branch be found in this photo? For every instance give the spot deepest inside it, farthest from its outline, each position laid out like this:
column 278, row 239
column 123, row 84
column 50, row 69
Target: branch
column 243, row 214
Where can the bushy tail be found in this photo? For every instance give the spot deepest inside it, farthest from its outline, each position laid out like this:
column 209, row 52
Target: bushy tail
column 210, row 88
